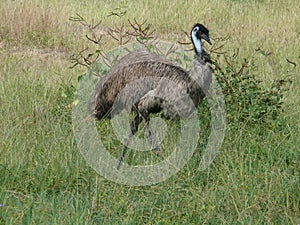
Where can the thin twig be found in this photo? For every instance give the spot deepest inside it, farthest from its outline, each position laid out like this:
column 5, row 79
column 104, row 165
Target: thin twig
column 289, row 61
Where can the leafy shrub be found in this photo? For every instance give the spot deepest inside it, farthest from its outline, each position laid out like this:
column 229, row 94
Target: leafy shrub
column 247, row 99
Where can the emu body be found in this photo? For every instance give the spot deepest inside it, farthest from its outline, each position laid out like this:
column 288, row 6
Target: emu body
column 146, row 83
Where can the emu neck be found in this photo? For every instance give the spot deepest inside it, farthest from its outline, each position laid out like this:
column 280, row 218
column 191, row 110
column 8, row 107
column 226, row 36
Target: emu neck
column 197, row 45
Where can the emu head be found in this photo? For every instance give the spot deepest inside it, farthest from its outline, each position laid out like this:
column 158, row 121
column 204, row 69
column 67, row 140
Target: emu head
column 198, row 33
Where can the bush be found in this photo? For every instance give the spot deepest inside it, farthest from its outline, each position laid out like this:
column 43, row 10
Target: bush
column 247, row 99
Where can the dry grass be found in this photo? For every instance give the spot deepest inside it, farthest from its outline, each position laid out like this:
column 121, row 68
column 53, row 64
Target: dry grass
column 26, row 22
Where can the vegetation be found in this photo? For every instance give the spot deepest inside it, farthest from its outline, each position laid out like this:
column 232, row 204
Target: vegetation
column 254, row 180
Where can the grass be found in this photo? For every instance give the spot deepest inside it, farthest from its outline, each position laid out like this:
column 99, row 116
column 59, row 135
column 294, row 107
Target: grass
column 44, row 178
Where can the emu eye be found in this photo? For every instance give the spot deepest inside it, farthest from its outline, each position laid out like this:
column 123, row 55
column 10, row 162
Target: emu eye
column 196, row 29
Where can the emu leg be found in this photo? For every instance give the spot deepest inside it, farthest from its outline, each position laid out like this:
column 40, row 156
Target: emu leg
column 152, row 139
column 134, row 126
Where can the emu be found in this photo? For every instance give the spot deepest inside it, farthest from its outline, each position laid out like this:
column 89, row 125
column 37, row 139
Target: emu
column 153, row 94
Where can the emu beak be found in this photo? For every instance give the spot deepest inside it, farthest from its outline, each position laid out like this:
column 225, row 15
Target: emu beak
column 206, row 38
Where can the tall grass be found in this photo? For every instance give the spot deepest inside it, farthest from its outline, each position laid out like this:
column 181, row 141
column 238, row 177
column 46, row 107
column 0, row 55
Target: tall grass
column 45, row 180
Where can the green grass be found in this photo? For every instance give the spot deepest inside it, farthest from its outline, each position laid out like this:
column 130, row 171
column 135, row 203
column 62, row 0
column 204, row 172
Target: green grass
column 45, row 180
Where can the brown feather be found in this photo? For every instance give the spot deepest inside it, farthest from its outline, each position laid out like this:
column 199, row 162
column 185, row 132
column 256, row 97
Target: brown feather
column 142, row 64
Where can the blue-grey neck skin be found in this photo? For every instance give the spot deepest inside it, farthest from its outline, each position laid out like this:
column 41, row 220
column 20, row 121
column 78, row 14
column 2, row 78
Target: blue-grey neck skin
column 197, row 44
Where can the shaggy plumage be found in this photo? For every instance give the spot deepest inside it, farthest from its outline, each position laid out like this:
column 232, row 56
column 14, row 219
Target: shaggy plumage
column 146, row 83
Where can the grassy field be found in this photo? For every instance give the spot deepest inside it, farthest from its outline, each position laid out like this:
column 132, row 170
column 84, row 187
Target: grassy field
column 44, row 178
